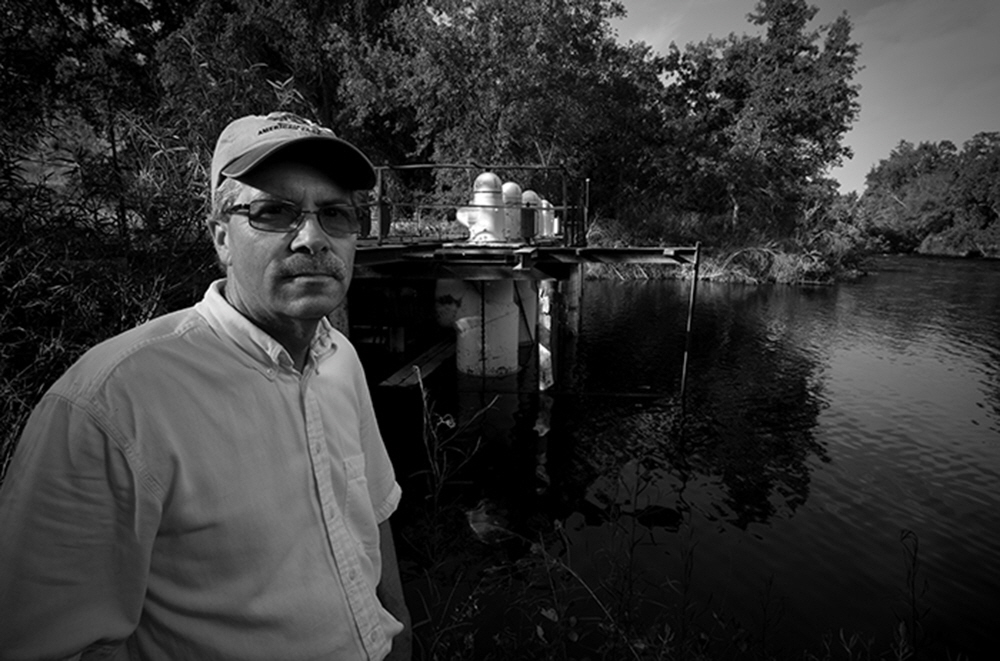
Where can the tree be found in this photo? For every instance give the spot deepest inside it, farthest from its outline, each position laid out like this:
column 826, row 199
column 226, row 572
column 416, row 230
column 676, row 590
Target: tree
column 906, row 194
column 74, row 76
column 976, row 189
column 764, row 115
column 933, row 198
column 525, row 82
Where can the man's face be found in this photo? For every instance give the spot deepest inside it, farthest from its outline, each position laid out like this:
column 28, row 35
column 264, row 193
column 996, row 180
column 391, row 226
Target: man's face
column 272, row 277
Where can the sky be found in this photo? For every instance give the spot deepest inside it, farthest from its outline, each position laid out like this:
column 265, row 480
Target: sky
column 931, row 68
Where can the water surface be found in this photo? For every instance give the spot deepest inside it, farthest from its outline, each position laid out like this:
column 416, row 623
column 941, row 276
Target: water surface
column 831, row 433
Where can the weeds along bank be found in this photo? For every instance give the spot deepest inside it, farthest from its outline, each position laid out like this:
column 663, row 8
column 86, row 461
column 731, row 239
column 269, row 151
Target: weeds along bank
column 757, row 253
column 758, row 264
column 753, row 265
column 61, row 301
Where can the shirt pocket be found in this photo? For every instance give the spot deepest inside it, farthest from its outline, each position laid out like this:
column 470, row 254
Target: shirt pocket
column 359, row 511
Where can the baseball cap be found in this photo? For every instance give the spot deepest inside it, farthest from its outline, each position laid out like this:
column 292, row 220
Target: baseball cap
column 249, row 141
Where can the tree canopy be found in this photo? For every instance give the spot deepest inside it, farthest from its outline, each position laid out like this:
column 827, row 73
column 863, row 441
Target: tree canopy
column 742, row 127
column 763, row 117
column 933, row 197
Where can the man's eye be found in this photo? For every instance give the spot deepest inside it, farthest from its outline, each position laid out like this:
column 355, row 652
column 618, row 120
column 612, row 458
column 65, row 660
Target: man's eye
column 273, row 210
column 336, row 213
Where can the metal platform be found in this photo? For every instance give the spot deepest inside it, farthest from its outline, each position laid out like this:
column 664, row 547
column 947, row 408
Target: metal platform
column 500, row 261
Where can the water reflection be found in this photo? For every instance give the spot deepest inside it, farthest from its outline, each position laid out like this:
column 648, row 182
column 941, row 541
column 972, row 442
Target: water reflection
column 753, row 401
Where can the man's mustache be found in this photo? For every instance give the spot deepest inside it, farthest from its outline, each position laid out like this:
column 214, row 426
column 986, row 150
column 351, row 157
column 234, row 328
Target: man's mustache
column 328, row 264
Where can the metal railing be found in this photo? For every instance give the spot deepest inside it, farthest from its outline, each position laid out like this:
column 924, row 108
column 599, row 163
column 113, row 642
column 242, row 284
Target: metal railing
column 393, row 220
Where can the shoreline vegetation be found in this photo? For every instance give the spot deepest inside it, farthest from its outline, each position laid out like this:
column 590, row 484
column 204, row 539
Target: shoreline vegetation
column 841, row 253
column 751, row 261
column 760, row 265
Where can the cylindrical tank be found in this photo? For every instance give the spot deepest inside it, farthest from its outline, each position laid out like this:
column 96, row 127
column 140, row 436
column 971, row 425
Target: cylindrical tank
column 485, row 215
column 488, row 188
column 531, row 204
column 547, row 216
column 512, row 210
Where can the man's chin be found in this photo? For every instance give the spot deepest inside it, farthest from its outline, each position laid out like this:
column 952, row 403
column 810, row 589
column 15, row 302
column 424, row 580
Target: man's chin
column 315, row 305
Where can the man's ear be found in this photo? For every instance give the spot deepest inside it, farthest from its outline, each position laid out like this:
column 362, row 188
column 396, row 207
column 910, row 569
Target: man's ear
column 219, row 231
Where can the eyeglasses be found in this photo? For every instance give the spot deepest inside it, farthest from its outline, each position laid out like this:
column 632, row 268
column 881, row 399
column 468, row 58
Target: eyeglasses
column 279, row 216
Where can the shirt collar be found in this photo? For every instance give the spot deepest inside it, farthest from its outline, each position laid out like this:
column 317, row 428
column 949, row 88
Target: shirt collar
column 229, row 323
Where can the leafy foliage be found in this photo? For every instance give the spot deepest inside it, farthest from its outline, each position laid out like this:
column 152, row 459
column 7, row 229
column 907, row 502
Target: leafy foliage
column 934, row 198
column 762, row 116
column 522, row 82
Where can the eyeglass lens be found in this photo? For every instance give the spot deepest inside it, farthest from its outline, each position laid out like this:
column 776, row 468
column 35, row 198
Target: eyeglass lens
column 276, row 216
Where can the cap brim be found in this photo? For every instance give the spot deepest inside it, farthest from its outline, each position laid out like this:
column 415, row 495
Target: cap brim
column 342, row 161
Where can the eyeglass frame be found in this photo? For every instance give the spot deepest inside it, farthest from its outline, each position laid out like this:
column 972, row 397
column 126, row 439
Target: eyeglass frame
column 300, row 214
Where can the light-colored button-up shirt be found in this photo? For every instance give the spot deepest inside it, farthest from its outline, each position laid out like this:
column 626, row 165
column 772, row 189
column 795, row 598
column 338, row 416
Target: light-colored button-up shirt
column 184, row 487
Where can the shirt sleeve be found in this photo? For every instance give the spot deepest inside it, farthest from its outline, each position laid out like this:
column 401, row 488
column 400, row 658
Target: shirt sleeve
column 78, row 525
column 383, row 489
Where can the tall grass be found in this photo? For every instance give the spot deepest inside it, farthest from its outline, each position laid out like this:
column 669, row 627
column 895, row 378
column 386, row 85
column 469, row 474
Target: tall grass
column 818, row 256
column 90, row 249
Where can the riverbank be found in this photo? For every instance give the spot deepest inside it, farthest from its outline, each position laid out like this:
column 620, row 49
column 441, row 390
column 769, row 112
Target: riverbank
column 750, row 265
column 940, row 246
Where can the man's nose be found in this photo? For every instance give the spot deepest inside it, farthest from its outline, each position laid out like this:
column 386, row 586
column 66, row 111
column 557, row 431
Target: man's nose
column 310, row 235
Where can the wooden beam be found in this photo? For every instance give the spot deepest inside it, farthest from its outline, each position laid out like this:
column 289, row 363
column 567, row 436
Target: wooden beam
column 426, row 362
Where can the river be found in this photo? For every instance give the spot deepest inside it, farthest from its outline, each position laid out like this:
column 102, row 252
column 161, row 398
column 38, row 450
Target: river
column 837, row 467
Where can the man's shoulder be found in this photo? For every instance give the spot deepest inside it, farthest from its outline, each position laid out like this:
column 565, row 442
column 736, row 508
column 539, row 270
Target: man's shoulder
column 147, row 346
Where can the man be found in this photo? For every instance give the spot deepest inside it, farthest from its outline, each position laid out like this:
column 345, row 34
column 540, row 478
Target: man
column 212, row 484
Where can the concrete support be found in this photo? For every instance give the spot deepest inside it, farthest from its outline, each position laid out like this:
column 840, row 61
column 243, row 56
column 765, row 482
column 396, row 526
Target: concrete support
column 486, row 319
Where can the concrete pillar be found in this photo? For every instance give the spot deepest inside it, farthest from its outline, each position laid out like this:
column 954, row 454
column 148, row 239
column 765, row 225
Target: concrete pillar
column 486, row 319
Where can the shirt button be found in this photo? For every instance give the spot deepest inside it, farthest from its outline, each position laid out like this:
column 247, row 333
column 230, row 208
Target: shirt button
column 352, row 574
column 373, row 637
